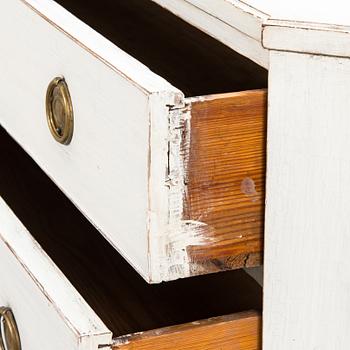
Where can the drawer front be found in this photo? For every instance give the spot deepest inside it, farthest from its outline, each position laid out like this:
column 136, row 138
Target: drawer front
column 48, row 311
column 105, row 168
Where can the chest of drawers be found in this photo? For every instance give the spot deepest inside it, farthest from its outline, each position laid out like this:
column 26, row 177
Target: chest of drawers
column 133, row 149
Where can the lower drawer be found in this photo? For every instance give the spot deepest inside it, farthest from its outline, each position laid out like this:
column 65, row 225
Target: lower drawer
column 69, row 289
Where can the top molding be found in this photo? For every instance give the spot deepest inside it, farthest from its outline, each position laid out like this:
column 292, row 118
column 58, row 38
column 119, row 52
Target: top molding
column 252, row 27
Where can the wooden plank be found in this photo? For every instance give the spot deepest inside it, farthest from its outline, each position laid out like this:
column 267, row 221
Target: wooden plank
column 226, row 179
column 306, row 289
column 233, row 332
column 46, row 306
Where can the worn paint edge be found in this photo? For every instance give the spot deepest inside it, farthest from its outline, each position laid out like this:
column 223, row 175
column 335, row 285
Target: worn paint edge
column 94, row 43
column 169, row 233
column 39, row 256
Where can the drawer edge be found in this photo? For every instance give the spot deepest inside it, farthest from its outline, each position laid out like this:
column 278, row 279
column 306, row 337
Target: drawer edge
column 241, row 330
column 62, row 300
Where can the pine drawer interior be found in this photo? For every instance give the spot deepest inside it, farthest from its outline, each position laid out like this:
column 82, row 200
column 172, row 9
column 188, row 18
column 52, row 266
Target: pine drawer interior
column 114, row 290
column 167, row 157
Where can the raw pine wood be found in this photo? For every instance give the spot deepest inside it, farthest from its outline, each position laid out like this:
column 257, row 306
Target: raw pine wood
column 233, row 332
column 225, row 179
column 115, row 291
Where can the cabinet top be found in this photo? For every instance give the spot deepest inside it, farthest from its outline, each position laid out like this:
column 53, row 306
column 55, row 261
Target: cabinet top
column 334, row 12
column 305, row 26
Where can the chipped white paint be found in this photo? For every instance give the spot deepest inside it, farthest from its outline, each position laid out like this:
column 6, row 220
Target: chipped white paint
column 171, row 234
column 307, row 240
column 49, row 312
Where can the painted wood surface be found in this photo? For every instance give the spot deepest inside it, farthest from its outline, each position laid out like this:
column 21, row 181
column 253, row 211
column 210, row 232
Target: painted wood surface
column 113, row 289
column 232, row 332
column 306, row 287
column 225, row 179
column 321, row 27
column 237, row 28
column 112, row 106
column 332, row 12
column 303, row 37
column 46, row 306
column 254, row 12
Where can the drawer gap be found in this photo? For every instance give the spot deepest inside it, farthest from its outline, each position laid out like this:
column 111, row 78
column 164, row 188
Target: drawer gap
column 118, row 294
column 188, row 58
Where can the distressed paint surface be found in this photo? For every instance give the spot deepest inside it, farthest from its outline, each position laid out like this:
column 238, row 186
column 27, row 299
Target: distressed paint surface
column 216, row 177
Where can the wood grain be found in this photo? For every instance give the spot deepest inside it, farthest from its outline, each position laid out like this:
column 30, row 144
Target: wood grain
column 108, row 283
column 233, row 332
column 226, row 179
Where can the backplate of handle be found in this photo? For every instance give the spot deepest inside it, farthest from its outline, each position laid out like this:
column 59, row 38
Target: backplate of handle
column 9, row 336
column 59, row 111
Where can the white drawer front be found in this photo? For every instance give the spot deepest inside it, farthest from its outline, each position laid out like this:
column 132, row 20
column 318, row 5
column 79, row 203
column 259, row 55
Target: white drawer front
column 50, row 314
column 106, row 168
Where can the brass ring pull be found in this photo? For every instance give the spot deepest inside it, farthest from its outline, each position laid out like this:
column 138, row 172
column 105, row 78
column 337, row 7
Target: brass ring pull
column 9, row 336
column 59, row 111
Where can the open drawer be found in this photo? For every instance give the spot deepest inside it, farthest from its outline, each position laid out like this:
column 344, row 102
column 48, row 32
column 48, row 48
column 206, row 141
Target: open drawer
column 175, row 183
column 68, row 288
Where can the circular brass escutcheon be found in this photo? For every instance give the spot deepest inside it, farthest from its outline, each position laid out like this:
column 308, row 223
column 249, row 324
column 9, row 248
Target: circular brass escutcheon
column 59, row 111
column 9, row 336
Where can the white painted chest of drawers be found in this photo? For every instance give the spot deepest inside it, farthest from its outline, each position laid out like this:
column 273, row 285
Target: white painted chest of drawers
column 139, row 168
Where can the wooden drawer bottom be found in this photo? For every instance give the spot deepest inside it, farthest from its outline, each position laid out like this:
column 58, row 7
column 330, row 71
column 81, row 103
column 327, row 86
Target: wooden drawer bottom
column 96, row 277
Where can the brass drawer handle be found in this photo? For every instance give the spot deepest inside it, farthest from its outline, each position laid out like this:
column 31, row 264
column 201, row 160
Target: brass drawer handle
column 59, row 111
column 9, row 336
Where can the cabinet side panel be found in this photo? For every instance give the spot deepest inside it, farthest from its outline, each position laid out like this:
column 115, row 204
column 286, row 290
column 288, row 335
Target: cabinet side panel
column 307, row 241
